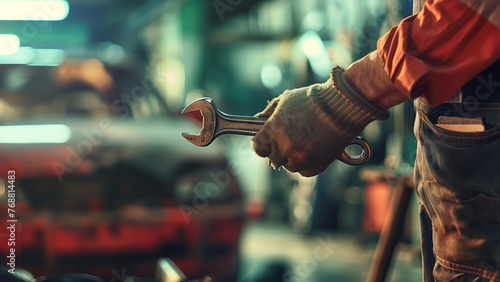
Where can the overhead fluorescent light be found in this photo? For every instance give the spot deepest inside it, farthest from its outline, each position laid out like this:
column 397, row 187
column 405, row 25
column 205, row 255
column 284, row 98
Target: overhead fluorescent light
column 29, row 134
column 20, row 10
column 47, row 57
column 23, row 56
column 9, row 44
column 34, row 57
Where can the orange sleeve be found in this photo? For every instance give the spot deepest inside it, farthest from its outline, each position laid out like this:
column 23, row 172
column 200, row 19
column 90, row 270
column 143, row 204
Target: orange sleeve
column 437, row 51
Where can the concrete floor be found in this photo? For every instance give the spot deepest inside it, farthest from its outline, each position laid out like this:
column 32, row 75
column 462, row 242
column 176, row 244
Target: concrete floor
column 272, row 252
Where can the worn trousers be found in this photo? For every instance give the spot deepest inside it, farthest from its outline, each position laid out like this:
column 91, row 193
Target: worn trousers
column 457, row 176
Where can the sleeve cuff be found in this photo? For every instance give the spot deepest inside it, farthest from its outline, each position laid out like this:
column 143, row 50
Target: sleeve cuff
column 343, row 104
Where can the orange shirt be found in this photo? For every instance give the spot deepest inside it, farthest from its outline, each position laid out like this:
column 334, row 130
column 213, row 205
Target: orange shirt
column 435, row 52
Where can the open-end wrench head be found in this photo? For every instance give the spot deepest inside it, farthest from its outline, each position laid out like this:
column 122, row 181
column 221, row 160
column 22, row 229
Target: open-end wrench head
column 207, row 109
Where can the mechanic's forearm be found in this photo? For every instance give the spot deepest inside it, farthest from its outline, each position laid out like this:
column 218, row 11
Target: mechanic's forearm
column 368, row 77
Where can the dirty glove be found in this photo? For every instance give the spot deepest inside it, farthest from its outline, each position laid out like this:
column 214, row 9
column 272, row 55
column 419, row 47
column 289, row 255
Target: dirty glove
column 308, row 128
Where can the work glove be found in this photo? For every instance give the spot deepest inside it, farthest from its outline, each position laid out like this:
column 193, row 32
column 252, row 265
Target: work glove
column 308, row 128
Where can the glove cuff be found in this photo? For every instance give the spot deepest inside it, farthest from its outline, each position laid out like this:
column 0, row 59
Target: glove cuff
column 343, row 104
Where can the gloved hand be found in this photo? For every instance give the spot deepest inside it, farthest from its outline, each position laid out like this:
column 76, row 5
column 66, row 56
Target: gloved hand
column 308, row 128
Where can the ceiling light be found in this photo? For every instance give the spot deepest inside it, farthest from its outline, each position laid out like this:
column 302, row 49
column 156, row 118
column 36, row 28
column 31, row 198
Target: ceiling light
column 9, row 44
column 54, row 10
column 28, row 134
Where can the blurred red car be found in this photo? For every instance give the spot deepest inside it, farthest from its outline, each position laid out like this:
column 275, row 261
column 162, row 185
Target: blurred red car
column 104, row 182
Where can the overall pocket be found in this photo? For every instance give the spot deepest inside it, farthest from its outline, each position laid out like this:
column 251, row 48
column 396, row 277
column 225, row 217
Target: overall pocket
column 465, row 165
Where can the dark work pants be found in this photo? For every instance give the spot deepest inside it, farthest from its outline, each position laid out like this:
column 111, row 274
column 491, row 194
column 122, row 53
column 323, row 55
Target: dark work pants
column 457, row 177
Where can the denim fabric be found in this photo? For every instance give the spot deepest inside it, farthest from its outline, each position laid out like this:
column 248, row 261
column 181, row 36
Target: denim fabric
column 457, row 177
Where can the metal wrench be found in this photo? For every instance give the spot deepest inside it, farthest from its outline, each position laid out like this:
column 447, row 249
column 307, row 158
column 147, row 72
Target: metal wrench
column 217, row 123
